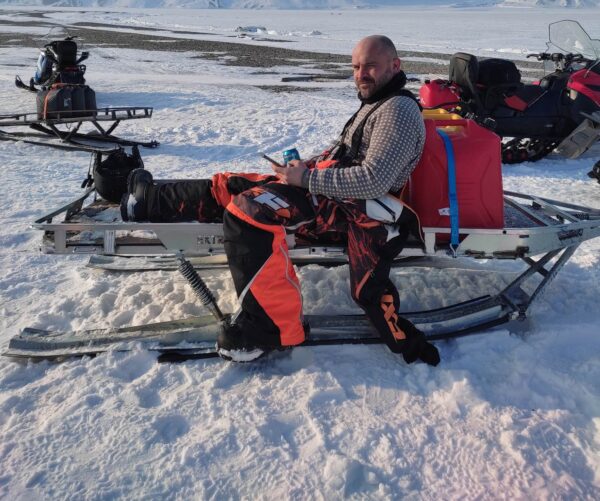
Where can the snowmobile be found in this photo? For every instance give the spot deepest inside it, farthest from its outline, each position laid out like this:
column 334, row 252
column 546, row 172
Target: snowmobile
column 560, row 111
column 472, row 218
column 66, row 105
column 57, row 63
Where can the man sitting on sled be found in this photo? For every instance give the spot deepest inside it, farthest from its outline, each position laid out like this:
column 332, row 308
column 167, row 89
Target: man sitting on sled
column 352, row 190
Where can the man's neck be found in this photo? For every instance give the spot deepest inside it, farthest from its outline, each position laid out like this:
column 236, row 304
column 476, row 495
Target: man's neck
column 397, row 82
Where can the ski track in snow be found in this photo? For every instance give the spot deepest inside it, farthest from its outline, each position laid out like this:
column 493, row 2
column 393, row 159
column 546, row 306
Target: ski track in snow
column 505, row 415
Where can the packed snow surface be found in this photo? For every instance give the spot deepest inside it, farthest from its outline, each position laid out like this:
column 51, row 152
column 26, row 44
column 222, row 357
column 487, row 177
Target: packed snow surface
column 506, row 415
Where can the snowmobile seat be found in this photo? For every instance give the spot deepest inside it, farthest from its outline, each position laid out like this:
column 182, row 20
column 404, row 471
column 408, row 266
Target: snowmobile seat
column 497, row 79
column 64, row 52
column 463, row 71
column 486, row 81
column 529, row 94
column 498, row 72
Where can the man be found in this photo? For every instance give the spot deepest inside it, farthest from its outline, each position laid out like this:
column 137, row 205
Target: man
column 351, row 190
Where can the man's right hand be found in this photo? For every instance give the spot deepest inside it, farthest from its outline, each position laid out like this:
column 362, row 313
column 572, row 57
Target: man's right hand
column 292, row 173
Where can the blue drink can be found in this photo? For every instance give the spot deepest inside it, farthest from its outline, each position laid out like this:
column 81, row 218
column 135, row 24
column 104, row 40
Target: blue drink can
column 291, row 154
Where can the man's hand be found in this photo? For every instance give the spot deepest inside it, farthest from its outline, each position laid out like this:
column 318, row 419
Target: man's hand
column 292, row 174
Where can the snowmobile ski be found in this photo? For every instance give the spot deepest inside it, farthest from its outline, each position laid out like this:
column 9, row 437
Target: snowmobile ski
column 22, row 85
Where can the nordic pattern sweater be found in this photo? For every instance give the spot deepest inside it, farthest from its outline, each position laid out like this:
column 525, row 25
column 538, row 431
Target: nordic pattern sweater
column 392, row 144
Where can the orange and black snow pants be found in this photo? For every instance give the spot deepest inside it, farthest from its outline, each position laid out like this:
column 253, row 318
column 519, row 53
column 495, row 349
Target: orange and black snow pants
column 255, row 225
column 259, row 213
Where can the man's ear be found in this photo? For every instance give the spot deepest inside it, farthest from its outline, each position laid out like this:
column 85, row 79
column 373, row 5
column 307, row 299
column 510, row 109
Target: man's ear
column 396, row 64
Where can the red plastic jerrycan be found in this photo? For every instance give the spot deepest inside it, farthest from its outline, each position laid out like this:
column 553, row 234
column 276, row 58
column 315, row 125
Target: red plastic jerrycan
column 478, row 176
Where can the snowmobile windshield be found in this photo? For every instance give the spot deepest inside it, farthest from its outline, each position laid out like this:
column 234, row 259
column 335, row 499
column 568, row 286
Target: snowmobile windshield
column 570, row 37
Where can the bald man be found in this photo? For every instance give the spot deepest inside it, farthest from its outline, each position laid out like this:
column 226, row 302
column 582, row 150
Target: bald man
column 348, row 193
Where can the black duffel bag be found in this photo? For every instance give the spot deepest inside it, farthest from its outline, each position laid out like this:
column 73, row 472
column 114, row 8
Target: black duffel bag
column 110, row 174
column 493, row 72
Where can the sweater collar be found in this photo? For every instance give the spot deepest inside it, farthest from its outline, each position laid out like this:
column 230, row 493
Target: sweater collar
column 397, row 82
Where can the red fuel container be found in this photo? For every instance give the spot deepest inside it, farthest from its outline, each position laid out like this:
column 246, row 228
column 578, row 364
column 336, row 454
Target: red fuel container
column 438, row 94
column 478, row 176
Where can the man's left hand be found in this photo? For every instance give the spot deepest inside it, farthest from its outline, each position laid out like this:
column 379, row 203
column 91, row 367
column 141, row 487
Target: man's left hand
column 292, row 173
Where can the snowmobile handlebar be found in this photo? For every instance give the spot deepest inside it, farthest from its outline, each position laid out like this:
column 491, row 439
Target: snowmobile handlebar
column 84, row 55
column 559, row 57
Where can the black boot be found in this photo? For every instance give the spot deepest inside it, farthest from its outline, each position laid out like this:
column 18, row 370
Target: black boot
column 416, row 346
column 399, row 334
column 237, row 345
column 134, row 202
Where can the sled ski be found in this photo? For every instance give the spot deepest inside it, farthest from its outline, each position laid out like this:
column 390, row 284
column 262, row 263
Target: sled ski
column 103, row 120
column 196, row 337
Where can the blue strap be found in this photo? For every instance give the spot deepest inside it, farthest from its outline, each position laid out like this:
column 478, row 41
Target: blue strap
column 452, row 197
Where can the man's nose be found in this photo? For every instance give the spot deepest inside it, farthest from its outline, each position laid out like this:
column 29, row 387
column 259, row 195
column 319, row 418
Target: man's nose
column 361, row 72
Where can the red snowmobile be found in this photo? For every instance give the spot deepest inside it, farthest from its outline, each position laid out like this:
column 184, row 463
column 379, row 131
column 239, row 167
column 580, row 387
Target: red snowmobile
column 561, row 111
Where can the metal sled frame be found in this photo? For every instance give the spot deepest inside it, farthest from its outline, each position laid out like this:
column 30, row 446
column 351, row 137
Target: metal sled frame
column 72, row 138
column 542, row 233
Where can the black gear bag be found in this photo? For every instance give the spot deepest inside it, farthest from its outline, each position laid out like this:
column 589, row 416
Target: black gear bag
column 110, row 174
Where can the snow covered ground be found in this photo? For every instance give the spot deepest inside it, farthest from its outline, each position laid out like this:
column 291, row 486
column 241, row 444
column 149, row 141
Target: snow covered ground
column 504, row 416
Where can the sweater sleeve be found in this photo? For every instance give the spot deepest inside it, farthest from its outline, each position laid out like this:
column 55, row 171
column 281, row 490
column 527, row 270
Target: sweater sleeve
column 395, row 146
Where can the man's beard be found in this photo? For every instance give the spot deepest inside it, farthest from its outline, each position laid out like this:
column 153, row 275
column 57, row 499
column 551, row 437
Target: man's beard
column 374, row 86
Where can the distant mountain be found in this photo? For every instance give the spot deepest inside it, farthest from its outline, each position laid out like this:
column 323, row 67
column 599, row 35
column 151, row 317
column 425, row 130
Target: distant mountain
column 298, row 4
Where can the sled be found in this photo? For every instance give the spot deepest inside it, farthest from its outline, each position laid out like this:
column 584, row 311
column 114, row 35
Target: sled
column 64, row 132
column 540, row 232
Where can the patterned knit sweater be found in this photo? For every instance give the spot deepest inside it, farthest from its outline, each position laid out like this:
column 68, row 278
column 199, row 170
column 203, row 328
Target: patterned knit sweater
column 392, row 144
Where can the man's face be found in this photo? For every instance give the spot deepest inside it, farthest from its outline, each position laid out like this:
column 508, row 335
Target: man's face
column 373, row 67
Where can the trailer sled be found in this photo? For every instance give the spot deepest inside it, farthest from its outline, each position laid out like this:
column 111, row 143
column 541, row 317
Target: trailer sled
column 541, row 233
column 65, row 130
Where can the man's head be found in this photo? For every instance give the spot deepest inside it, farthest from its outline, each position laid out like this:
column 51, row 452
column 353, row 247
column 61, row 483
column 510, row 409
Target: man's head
column 375, row 62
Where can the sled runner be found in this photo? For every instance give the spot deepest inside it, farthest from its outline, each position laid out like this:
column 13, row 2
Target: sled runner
column 542, row 233
column 65, row 129
column 195, row 337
